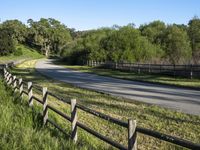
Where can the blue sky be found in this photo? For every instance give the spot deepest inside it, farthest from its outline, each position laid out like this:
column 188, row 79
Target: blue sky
column 90, row 14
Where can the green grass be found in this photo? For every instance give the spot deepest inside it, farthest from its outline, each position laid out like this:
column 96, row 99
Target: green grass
column 21, row 127
column 27, row 53
column 185, row 82
column 149, row 116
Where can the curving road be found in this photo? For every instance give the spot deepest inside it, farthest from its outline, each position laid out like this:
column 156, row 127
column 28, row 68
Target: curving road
column 181, row 99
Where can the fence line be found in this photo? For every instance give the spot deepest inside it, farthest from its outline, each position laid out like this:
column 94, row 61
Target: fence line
column 188, row 71
column 131, row 124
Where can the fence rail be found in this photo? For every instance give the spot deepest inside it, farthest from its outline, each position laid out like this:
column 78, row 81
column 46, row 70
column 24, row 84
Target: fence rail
column 133, row 129
column 188, row 71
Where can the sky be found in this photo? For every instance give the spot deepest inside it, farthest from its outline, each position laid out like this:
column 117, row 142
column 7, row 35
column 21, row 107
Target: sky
column 92, row 14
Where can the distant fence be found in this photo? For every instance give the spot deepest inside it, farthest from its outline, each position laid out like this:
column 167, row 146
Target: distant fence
column 131, row 125
column 188, row 71
column 2, row 66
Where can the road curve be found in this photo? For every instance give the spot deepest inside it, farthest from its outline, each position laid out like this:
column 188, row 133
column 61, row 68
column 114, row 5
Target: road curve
column 181, row 99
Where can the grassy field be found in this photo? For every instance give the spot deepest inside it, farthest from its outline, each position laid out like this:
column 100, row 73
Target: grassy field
column 21, row 127
column 27, row 53
column 148, row 116
column 185, row 82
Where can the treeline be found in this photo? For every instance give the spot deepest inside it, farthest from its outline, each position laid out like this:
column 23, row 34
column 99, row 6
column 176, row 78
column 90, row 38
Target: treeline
column 49, row 36
column 155, row 42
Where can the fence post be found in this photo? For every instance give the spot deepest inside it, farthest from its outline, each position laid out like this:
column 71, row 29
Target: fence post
column 4, row 73
column 149, row 68
column 191, row 72
column 10, row 79
column 73, row 120
column 160, row 68
column 185, row 70
column 138, row 69
column 132, row 135
column 174, row 70
column 21, row 87
column 130, row 67
column 45, row 109
column 30, row 94
column 7, row 77
column 14, row 83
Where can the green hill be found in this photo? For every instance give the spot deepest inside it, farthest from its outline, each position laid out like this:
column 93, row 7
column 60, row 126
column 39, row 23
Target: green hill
column 22, row 52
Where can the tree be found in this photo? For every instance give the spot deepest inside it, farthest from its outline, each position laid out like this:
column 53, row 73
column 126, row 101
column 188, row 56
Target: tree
column 194, row 34
column 6, row 42
column 92, row 44
column 49, row 35
column 177, row 45
column 154, row 31
column 127, row 45
column 18, row 29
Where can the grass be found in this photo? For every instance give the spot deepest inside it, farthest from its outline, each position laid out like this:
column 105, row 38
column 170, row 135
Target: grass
column 178, row 81
column 21, row 127
column 149, row 116
column 27, row 53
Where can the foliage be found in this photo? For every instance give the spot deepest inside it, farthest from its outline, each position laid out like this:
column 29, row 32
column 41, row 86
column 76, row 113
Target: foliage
column 177, row 45
column 194, row 34
column 127, row 44
column 86, row 47
column 6, row 42
column 154, row 31
column 155, row 42
column 49, row 35
column 17, row 28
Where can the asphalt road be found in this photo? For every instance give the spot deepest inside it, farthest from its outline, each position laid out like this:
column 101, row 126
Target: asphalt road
column 181, row 99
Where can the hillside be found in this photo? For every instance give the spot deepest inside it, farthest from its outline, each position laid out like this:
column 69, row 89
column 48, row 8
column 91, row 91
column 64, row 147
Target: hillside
column 23, row 52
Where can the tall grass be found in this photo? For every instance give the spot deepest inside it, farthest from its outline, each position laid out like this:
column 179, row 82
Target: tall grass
column 21, row 127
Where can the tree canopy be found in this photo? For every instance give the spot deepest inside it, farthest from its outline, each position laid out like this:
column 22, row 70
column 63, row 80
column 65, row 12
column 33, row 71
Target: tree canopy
column 155, row 42
column 6, row 42
column 194, row 34
column 49, row 35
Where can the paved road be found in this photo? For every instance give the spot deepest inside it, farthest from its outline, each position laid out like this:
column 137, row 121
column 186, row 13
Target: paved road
column 181, row 99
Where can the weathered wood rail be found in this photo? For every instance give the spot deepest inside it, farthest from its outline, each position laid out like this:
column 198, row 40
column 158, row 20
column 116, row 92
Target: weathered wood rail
column 188, row 71
column 131, row 125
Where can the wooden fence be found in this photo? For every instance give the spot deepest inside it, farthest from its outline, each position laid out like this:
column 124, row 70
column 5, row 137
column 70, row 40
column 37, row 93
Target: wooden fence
column 188, row 71
column 131, row 125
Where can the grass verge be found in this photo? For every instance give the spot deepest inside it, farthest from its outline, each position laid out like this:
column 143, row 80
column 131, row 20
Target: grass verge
column 21, row 127
column 149, row 116
column 177, row 81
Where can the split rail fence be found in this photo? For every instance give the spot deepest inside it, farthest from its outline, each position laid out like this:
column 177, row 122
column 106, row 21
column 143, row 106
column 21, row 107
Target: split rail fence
column 188, row 71
column 131, row 125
